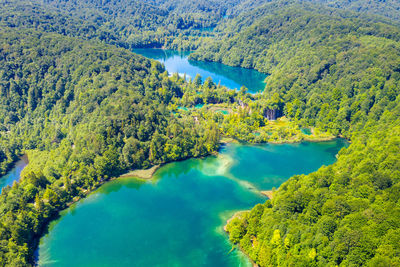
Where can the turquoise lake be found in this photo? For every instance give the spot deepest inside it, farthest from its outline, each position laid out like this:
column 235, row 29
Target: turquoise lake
column 177, row 218
column 231, row 77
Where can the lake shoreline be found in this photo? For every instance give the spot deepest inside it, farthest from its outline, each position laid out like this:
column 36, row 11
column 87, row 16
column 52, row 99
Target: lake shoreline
column 235, row 215
column 147, row 174
column 268, row 193
column 16, row 167
column 178, row 61
column 11, row 165
column 227, row 140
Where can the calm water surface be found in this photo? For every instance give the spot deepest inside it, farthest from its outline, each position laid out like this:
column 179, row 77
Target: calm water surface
column 231, row 77
column 14, row 173
column 177, row 219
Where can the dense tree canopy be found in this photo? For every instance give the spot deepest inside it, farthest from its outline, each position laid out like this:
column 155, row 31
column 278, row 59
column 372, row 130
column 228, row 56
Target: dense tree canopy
column 373, row 9
column 338, row 72
column 331, row 72
column 86, row 111
column 123, row 23
column 345, row 214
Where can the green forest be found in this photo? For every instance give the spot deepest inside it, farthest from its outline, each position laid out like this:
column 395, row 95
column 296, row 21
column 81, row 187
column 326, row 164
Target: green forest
column 85, row 110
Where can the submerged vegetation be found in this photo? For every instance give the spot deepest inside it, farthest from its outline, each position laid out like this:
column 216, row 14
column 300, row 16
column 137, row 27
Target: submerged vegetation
column 86, row 111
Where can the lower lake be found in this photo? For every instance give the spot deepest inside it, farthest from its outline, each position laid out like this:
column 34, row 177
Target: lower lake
column 231, row 77
column 177, row 218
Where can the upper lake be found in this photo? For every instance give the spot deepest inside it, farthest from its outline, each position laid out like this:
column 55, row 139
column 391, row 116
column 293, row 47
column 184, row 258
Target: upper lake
column 231, row 77
column 177, row 218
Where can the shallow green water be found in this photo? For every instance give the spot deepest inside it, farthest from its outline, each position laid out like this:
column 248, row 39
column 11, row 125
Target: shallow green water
column 177, row 219
column 231, row 77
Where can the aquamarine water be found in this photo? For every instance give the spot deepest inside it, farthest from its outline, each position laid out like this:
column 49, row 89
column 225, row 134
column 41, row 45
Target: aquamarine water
column 231, row 77
column 176, row 219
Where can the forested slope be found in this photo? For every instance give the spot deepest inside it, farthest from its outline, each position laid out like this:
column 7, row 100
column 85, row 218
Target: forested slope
column 152, row 23
column 124, row 24
column 340, row 73
column 387, row 8
column 331, row 72
column 85, row 112
column 30, row 15
column 378, row 9
column 346, row 214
